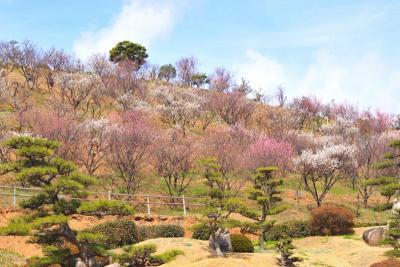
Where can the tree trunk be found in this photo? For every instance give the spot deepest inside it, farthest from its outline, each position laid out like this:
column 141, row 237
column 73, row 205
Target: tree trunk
column 261, row 241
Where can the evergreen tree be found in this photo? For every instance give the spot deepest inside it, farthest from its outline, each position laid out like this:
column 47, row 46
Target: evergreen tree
column 220, row 205
column 285, row 249
column 127, row 50
column 265, row 193
column 63, row 188
column 393, row 233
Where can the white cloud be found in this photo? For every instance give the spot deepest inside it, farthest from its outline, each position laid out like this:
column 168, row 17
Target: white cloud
column 141, row 21
column 261, row 70
column 366, row 80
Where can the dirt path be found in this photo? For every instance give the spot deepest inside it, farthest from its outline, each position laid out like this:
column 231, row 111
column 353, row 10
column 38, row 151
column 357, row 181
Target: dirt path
column 339, row 251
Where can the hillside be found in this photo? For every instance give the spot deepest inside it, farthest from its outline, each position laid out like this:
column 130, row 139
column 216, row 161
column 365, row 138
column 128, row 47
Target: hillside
column 153, row 143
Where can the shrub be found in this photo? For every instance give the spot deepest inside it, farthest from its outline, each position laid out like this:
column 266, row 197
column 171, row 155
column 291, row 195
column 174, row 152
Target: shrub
column 387, row 263
column 369, row 224
column 18, row 226
column 136, row 255
column 142, row 255
column 163, row 230
column 201, row 232
column 117, row 233
column 166, row 257
column 382, row 207
column 241, row 243
column 331, row 220
column 289, row 229
column 104, row 207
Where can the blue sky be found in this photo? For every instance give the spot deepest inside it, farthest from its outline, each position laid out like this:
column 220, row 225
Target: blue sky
column 342, row 50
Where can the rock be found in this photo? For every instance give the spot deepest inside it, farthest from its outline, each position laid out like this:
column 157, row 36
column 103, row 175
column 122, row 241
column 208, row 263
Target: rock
column 374, row 236
column 116, row 264
column 222, row 242
column 79, row 263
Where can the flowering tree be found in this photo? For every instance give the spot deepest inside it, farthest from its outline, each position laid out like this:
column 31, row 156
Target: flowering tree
column 232, row 107
column 224, row 146
column 179, row 109
column 174, row 156
column 94, row 144
column 186, row 68
column 221, row 80
column 76, row 88
column 307, row 110
column 128, row 150
column 320, row 170
column 123, row 83
column 270, row 152
column 48, row 124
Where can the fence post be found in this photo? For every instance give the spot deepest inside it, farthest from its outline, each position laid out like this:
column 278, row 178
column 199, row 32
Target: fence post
column 14, row 197
column 184, row 205
column 148, row 206
column 109, row 194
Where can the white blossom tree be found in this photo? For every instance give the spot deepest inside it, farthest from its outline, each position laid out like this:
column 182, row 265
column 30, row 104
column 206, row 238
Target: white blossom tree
column 321, row 169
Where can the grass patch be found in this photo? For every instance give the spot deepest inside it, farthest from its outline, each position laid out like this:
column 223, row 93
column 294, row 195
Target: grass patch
column 351, row 237
column 10, row 259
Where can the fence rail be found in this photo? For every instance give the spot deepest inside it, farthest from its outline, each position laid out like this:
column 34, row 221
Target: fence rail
column 144, row 200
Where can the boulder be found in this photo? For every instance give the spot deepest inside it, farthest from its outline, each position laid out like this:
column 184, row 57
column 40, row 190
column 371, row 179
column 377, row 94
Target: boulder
column 374, row 236
column 113, row 265
column 221, row 242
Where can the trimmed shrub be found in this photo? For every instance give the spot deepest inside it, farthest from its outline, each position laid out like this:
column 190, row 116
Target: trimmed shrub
column 166, row 257
column 289, row 229
column 387, row 263
column 117, row 233
column 163, row 230
column 241, row 243
column 201, row 232
column 332, row 220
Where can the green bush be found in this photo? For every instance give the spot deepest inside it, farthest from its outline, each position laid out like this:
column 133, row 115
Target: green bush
column 166, row 257
column 369, row 224
column 201, row 232
column 241, row 243
column 289, row 229
column 332, row 220
column 163, row 230
column 382, row 207
column 117, row 233
column 21, row 226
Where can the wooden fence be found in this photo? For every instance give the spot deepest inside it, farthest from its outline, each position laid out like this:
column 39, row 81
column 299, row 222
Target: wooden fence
column 10, row 196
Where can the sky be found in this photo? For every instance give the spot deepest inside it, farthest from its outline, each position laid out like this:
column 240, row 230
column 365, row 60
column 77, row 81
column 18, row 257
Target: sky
column 342, row 51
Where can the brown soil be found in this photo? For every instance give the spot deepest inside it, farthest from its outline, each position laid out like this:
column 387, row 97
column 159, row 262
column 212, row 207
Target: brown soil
column 20, row 245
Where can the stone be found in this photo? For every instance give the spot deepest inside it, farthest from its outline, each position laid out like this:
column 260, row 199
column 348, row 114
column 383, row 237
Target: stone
column 374, row 236
column 221, row 243
column 116, row 264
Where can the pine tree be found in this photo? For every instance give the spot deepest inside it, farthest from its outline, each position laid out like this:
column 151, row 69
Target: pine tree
column 393, row 233
column 265, row 193
column 220, row 205
column 285, row 248
column 63, row 187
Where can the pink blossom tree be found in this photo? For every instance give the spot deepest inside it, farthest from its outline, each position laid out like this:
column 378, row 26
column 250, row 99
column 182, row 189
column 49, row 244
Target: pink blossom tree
column 129, row 150
column 266, row 152
column 174, row 156
column 221, row 80
column 232, row 107
column 225, row 146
